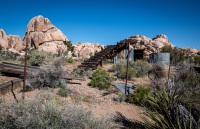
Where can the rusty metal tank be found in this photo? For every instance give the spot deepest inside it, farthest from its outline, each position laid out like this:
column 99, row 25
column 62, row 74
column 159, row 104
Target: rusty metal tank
column 162, row 59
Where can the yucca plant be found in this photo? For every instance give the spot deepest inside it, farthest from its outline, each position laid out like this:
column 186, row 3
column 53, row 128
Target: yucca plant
column 166, row 111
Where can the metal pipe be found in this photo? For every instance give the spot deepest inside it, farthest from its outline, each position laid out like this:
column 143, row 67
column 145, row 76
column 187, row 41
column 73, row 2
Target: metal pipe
column 25, row 64
column 127, row 65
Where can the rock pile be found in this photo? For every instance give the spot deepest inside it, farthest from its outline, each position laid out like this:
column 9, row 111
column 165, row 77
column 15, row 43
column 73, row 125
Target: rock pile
column 85, row 50
column 147, row 44
column 12, row 43
column 15, row 42
column 45, row 36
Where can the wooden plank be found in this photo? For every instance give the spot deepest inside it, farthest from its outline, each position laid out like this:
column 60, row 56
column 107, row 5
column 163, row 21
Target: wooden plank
column 90, row 63
column 34, row 67
column 9, row 83
column 74, row 78
column 16, row 68
column 9, row 70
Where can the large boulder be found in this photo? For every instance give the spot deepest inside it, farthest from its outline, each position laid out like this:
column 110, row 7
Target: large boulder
column 15, row 42
column 193, row 50
column 3, row 39
column 161, row 38
column 157, row 44
column 86, row 50
column 40, row 33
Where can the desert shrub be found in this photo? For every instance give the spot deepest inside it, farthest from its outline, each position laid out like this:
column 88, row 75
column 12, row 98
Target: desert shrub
column 120, row 69
column 46, row 112
column 138, row 68
column 91, row 53
column 142, row 67
column 167, row 49
column 187, row 75
column 156, row 72
column 121, row 97
column 196, row 59
column 69, row 45
column 188, row 83
column 49, row 76
column 39, row 58
column 131, row 73
column 63, row 92
column 175, row 104
column 177, row 55
column 101, row 79
column 8, row 56
column 69, row 60
column 140, row 95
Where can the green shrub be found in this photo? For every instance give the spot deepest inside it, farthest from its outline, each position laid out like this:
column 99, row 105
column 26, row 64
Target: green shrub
column 39, row 58
column 69, row 60
column 138, row 68
column 142, row 67
column 8, row 56
column 140, row 95
column 69, row 45
column 101, row 79
column 122, row 97
column 63, row 92
column 131, row 73
column 196, row 59
column 91, row 53
column 118, row 66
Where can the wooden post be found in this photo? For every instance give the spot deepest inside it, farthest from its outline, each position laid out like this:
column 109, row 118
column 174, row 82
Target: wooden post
column 127, row 68
column 25, row 64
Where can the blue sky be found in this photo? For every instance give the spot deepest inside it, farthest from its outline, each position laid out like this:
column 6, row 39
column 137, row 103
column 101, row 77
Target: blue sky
column 108, row 21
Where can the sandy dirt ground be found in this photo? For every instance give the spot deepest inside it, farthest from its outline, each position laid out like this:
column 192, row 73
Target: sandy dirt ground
column 4, row 79
column 90, row 98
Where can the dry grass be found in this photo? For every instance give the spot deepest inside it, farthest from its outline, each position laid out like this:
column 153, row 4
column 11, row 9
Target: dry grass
column 46, row 110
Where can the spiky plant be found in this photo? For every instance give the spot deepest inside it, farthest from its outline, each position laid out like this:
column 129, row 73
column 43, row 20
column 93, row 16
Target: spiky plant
column 167, row 112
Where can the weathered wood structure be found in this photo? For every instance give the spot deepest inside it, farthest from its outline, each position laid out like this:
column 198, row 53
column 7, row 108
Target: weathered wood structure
column 9, row 85
column 16, row 69
column 110, row 52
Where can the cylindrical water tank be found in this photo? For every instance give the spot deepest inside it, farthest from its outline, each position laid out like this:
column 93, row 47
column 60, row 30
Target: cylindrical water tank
column 162, row 59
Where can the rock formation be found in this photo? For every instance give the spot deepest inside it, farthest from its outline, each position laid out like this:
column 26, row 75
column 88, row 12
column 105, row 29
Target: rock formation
column 149, row 45
column 3, row 39
column 15, row 42
column 12, row 43
column 193, row 51
column 85, row 50
column 43, row 35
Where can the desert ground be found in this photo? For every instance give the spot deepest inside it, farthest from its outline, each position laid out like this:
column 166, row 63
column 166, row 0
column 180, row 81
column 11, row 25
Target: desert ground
column 92, row 99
